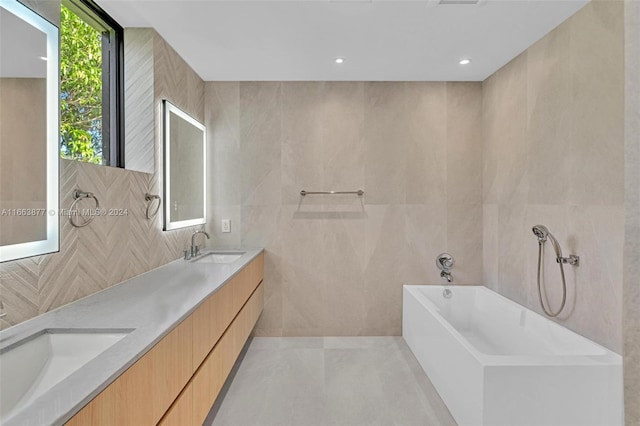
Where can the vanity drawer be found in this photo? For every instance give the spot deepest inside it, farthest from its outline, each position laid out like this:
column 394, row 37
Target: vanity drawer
column 209, row 379
column 181, row 412
column 210, row 320
column 213, row 316
column 193, row 405
column 141, row 395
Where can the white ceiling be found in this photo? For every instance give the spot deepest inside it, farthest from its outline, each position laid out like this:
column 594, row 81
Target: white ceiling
column 419, row 40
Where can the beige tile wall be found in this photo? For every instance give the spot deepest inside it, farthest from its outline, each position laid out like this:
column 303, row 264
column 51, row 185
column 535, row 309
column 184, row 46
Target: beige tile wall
column 139, row 120
column 554, row 154
column 631, row 293
column 111, row 249
column 336, row 265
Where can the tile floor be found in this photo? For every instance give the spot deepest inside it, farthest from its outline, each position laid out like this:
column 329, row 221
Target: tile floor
column 330, row 381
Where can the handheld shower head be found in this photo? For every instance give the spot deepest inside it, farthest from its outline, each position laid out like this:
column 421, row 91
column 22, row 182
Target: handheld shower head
column 541, row 232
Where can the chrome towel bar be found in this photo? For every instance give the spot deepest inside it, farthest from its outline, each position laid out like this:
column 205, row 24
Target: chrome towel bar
column 304, row 193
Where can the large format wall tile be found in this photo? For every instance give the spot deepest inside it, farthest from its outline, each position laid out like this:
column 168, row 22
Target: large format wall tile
column 553, row 155
column 505, row 134
column 549, row 102
column 387, row 139
column 425, row 235
column 222, row 120
column 490, row 245
column 344, row 246
column 597, row 74
column 464, row 144
column 386, row 261
column 464, row 242
column 343, row 143
column 335, row 265
column 426, row 157
column 260, row 143
column 303, row 275
column 302, row 148
column 261, row 227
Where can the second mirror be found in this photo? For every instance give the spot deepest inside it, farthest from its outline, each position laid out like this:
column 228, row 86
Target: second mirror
column 184, row 169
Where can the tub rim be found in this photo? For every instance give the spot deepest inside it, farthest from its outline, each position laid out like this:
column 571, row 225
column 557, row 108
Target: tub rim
column 608, row 358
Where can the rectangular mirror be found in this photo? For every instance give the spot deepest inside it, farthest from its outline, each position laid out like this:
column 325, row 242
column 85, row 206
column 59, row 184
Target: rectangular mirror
column 29, row 222
column 184, row 169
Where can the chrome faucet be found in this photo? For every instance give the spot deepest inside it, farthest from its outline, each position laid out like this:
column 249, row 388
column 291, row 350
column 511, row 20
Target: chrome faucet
column 446, row 275
column 445, row 262
column 195, row 250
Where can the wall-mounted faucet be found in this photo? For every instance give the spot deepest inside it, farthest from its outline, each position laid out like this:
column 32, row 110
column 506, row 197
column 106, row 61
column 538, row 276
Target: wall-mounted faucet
column 446, row 275
column 445, row 262
column 195, row 250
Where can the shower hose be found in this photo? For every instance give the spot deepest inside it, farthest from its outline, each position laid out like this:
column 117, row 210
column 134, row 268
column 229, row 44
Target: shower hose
column 556, row 248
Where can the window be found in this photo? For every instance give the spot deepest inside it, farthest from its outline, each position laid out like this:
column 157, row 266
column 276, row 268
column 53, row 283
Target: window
column 91, row 85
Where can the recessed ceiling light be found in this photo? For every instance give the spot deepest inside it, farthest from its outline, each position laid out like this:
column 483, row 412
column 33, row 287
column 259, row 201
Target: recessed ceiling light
column 464, row 61
column 339, row 60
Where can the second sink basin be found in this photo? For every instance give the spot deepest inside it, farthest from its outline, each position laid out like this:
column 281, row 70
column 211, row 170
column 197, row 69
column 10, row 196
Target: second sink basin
column 219, row 256
column 34, row 365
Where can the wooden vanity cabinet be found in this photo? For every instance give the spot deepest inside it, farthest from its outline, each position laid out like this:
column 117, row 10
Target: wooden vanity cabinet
column 141, row 395
column 181, row 412
column 178, row 380
column 210, row 377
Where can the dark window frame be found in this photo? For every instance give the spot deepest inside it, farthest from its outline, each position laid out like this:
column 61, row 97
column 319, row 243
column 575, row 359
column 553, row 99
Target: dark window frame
column 112, row 77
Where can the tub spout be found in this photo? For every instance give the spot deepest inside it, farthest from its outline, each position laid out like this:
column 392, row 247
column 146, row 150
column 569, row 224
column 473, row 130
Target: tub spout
column 446, row 275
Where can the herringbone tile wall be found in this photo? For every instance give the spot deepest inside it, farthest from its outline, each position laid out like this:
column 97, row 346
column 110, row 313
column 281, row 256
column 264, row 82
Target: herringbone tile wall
column 111, row 249
column 139, row 98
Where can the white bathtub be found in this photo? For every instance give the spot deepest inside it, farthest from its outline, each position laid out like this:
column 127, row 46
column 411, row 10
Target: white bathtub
column 495, row 362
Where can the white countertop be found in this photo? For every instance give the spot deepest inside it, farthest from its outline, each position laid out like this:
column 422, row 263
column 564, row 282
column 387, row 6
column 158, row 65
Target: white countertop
column 151, row 304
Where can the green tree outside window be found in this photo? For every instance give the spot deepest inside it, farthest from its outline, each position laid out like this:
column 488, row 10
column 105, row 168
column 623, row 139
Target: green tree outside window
column 80, row 89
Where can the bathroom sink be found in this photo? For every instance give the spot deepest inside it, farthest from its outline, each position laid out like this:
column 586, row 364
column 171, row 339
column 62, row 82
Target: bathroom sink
column 220, row 257
column 34, row 365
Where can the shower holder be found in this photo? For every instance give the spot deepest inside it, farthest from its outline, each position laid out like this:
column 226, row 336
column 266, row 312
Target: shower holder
column 571, row 260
